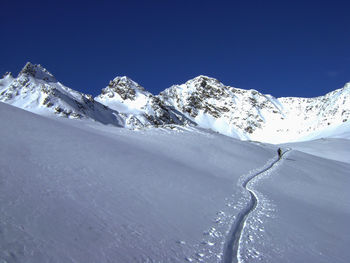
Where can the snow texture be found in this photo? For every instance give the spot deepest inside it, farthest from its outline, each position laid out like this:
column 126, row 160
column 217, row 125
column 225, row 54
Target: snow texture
column 93, row 193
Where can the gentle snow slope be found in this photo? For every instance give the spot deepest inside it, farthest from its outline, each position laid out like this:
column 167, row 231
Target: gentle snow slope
column 71, row 194
column 312, row 202
column 79, row 191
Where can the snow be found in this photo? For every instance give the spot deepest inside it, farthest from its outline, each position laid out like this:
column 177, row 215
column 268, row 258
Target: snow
column 75, row 191
column 334, row 131
column 330, row 148
column 311, row 211
column 78, row 191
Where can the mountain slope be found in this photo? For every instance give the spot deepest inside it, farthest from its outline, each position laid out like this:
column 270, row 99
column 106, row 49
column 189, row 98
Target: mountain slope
column 308, row 115
column 98, row 194
column 139, row 107
column 93, row 193
column 37, row 90
column 310, row 198
column 248, row 114
column 230, row 111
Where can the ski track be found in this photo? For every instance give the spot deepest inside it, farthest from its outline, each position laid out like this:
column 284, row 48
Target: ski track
column 231, row 249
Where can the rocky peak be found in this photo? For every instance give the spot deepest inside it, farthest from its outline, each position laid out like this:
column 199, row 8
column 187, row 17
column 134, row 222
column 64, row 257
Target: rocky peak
column 198, row 94
column 203, row 81
column 38, row 72
column 126, row 88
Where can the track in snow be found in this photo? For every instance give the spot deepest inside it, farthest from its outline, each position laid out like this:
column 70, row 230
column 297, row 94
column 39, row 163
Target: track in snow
column 231, row 247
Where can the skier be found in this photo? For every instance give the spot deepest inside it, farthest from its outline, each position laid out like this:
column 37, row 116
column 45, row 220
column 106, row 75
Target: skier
column 279, row 151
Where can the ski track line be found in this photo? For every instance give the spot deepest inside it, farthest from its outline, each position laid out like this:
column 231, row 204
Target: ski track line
column 231, row 247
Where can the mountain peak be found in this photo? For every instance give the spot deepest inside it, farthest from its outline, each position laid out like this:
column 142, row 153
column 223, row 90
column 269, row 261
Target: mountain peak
column 126, row 82
column 204, row 77
column 38, row 72
column 203, row 80
column 7, row 74
column 123, row 87
column 202, row 84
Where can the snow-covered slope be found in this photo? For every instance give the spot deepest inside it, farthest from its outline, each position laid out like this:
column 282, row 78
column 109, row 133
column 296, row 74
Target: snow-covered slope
column 93, row 193
column 311, row 199
column 139, row 107
column 248, row 114
column 37, row 90
column 307, row 116
column 87, row 192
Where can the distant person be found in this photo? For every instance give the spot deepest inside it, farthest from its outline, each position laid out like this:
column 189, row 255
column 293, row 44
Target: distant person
column 279, row 151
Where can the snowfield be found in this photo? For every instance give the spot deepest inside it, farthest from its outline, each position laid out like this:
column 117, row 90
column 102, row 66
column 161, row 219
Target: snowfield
column 80, row 191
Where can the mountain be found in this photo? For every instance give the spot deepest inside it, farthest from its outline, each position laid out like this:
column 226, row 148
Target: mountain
column 312, row 115
column 227, row 110
column 139, row 107
column 249, row 114
column 122, row 103
column 203, row 101
column 36, row 90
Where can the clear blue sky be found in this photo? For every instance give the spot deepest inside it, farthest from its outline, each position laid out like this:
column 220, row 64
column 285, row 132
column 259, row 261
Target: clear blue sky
column 285, row 48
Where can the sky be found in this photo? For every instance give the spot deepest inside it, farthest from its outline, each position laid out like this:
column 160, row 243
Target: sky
column 283, row 48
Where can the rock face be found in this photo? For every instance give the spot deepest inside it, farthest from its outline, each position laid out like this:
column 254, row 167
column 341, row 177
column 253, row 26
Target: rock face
column 36, row 90
column 203, row 101
column 137, row 106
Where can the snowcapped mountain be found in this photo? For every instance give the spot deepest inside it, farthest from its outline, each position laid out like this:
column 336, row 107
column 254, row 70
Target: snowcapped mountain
column 309, row 115
column 227, row 110
column 123, row 103
column 202, row 101
column 137, row 106
column 36, row 90
column 249, row 114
